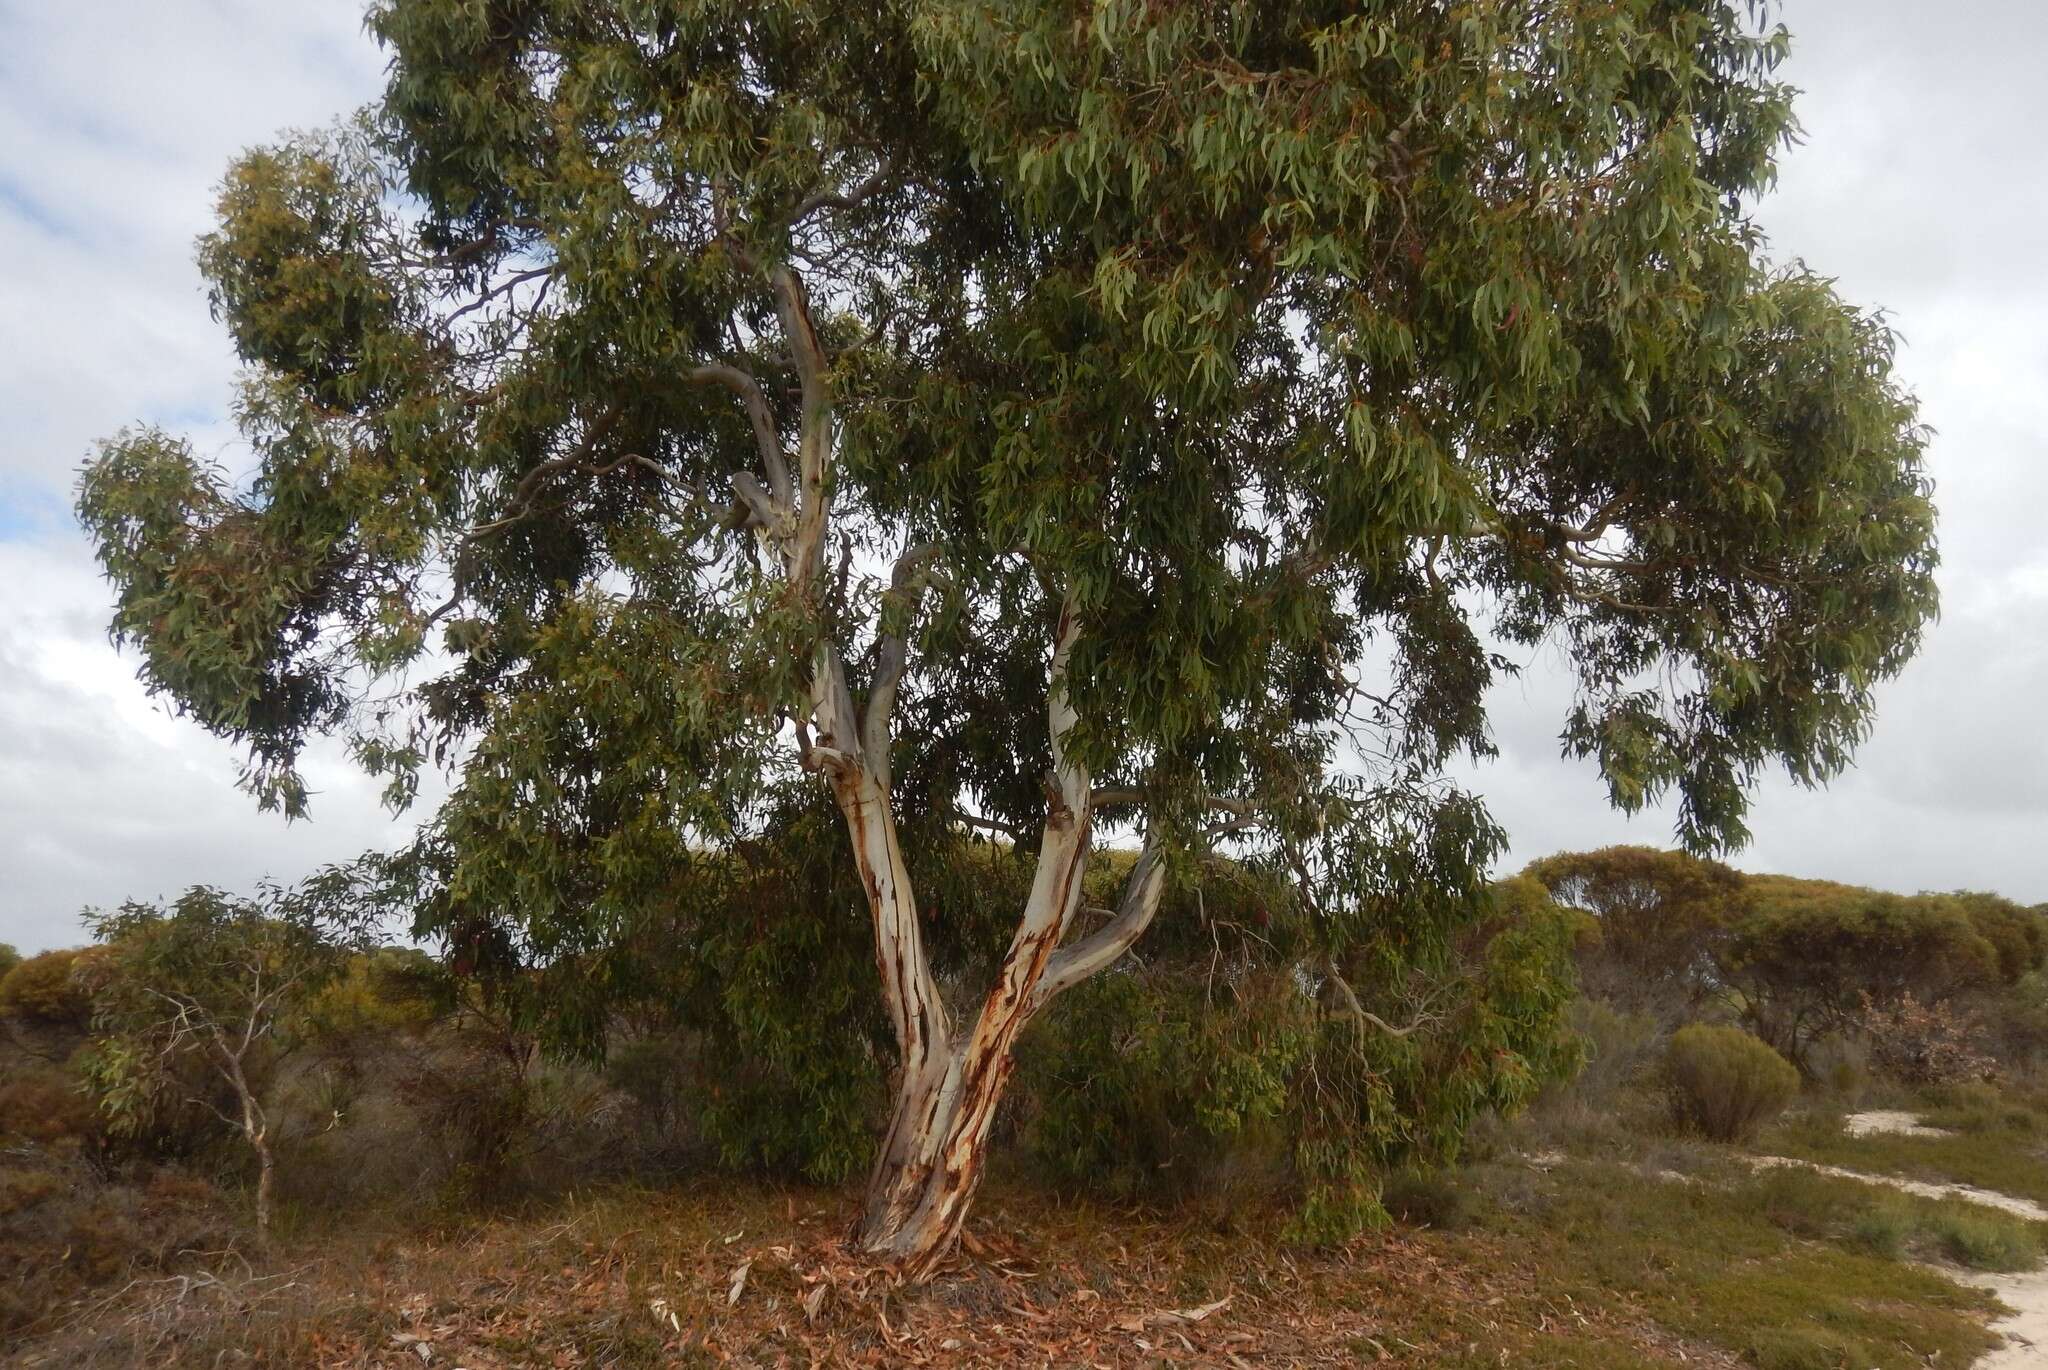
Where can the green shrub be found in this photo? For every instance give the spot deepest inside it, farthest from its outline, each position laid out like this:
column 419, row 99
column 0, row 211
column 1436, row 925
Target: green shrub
column 1884, row 1229
column 1427, row 1198
column 9, row 957
column 1726, row 1083
column 45, row 989
column 1988, row 1241
column 655, row 1072
column 378, row 993
column 1797, row 1348
column 1973, row 1106
column 1620, row 1046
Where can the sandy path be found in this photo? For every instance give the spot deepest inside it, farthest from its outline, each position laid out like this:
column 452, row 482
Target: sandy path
column 2026, row 1330
column 1990, row 1198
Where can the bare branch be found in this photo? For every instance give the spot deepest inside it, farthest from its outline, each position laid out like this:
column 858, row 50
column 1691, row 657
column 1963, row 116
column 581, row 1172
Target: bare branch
column 841, row 199
column 994, row 825
column 906, row 588
column 765, row 437
column 510, row 283
column 1348, row 1005
column 814, row 446
column 1603, row 518
column 1099, row 950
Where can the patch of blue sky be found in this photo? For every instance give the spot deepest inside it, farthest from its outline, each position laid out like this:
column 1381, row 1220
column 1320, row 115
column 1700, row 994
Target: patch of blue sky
column 15, row 199
column 29, row 513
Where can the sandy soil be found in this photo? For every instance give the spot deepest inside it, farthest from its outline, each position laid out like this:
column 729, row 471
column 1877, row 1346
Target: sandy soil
column 2026, row 1330
column 2023, row 1208
column 1890, row 1120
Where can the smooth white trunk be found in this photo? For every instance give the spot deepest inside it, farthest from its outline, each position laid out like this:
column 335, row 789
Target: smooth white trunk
column 949, row 1084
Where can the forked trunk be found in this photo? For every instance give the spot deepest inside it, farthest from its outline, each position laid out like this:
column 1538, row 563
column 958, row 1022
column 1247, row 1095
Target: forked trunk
column 930, row 1162
column 952, row 1082
column 918, row 1199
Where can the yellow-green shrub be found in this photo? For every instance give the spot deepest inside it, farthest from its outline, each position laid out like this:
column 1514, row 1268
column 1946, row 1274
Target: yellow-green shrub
column 1726, row 1082
column 45, row 988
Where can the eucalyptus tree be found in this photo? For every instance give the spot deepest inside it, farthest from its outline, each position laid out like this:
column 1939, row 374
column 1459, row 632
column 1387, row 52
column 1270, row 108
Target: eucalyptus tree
column 1055, row 420
column 212, row 990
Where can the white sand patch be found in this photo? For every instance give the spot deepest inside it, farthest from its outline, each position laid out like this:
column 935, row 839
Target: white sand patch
column 2026, row 1331
column 2020, row 1208
column 1892, row 1122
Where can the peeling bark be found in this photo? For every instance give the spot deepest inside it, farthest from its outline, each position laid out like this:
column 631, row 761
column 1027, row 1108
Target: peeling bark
column 931, row 1159
column 949, row 1083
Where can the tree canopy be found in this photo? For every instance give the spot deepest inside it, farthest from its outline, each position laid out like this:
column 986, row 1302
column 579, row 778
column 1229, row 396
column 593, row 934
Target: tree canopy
column 1660, row 920
column 1048, row 422
column 215, row 989
column 1811, row 955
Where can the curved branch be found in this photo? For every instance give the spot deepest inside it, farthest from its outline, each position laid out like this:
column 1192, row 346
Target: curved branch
column 841, row 199
column 1349, row 1006
column 765, row 436
column 1100, row 949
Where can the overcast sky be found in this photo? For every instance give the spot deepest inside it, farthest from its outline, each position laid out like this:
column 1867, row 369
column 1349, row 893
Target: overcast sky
column 1921, row 185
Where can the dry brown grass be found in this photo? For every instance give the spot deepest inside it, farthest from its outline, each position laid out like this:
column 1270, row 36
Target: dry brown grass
column 633, row 1278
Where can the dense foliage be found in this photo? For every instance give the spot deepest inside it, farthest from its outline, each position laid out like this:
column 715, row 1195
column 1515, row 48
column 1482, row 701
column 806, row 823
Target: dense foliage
column 46, row 989
column 1811, row 954
column 1027, row 424
column 1658, row 922
column 1223, row 1063
column 1797, row 961
column 1726, row 1083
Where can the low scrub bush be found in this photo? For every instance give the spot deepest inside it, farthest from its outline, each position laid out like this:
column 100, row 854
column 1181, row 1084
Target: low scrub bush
column 44, row 1104
column 1884, row 1229
column 1988, row 1241
column 1621, row 1046
column 1974, row 1106
column 1919, row 1043
column 654, row 1073
column 46, row 989
column 1727, row 1083
column 1428, row 1198
column 65, row 1228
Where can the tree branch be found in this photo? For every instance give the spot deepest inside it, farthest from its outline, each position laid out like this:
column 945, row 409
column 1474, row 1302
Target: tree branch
column 994, row 825
column 906, row 588
column 504, row 287
column 765, row 437
column 1349, row 1006
column 814, row 446
column 1099, row 950
column 841, row 199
